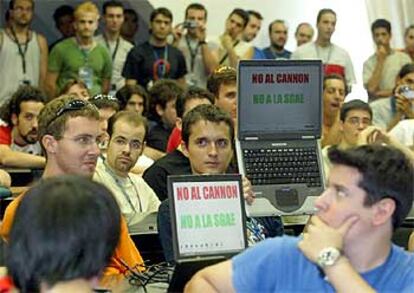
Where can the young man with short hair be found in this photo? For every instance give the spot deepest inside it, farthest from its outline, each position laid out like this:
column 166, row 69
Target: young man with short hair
column 335, row 59
column 118, row 47
column 81, row 56
column 23, row 51
column 381, row 69
column 251, row 31
column 127, row 132
column 68, row 132
column 347, row 244
column 19, row 145
column 155, row 59
column 278, row 35
column 303, row 34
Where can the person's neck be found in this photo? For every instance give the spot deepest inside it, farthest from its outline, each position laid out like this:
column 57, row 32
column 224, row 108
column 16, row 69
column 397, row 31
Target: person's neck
column 368, row 253
column 19, row 30
column 344, row 145
column 329, row 119
column 323, row 43
column 77, row 285
column 157, row 42
column 85, row 43
column 17, row 138
column 112, row 36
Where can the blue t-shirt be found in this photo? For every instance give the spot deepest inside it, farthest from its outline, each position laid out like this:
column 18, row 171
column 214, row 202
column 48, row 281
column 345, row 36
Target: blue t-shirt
column 277, row 265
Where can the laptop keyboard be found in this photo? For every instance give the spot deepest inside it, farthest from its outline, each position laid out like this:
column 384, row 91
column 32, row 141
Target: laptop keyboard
column 282, row 166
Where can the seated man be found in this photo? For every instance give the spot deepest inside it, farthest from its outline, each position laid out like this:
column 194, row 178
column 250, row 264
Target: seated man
column 389, row 111
column 207, row 141
column 63, row 249
column 136, row 199
column 68, row 131
column 175, row 163
column 75, row 87
column 19, row 146
column 347, row 245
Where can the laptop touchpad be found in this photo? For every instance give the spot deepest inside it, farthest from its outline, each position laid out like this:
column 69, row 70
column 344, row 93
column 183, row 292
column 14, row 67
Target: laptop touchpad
column 287, row 197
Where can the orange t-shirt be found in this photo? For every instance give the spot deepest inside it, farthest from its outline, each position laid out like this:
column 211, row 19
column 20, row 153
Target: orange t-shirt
column 125, row 250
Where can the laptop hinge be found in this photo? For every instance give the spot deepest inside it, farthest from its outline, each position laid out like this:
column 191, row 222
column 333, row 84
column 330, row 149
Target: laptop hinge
column 251, row 138
column 308, row 137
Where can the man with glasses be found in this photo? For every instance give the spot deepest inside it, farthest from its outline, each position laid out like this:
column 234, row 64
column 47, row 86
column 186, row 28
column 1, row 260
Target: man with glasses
column 68, row 131
column 127, row 132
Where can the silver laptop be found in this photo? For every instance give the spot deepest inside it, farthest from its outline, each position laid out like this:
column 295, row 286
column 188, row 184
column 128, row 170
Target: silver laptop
column 279, row 129
column 147, row 225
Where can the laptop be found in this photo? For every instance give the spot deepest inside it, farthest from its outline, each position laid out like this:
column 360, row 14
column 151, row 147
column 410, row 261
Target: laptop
column 208, row 222
column 279, row 131
column 147, row 225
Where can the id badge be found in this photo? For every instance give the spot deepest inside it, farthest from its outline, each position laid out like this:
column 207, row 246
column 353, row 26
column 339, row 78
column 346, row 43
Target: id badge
column 86, row 75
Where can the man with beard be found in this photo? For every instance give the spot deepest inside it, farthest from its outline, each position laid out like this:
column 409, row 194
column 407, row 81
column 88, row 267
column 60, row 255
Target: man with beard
column 23, row 57
column 68, row 133
column 155, row 59
column 19, row 146
column 304, row 33
column 81, row 56
column 136, row 199
column 278, row 32
column 251, row 30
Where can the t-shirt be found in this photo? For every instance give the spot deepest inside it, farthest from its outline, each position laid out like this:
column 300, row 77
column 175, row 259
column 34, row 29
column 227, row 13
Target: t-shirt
column 269, row 54
column 330, row 55
column 141, row 61
column 6, row 138
column 277, row 265
column 69, row 61
column 404, row 132
column 240, row 48
column 174, row 163
column 118, row 51
column 174, row 140
column 134, row 196
column 125, row 250
column 392, row 65
column 158, row 137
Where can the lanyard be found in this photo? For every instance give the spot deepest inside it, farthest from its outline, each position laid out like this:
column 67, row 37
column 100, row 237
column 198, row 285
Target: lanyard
column 318, row 53
column 22, row 49
column 121, row 188
column 160, row 63
column 109, row 48
column 193, row 52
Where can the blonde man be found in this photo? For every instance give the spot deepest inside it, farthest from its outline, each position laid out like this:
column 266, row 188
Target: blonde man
column 81, row 56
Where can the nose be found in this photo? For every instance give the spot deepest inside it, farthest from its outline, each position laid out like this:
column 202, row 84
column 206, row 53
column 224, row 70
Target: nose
column 35, row 123
column 321, row 202
column 95, row 149
column 212, row 149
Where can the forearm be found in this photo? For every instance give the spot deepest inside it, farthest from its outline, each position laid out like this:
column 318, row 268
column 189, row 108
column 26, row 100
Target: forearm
column 233, row 58
column 199, row 284
column 344, row 278
column 411, row 242
column 394, row 121
column 21, row 160
column 106, row 86
column 333, row 136
column 374, row 81
column 209, row 59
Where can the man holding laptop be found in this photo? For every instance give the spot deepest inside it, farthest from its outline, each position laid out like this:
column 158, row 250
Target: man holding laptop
column 346, row 246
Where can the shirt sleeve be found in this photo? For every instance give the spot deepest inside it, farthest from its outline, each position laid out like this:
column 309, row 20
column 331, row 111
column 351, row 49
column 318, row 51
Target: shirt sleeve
column 131, row 66
column 5, row 135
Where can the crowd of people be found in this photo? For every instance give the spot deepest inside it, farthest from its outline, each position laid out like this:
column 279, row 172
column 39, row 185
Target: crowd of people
column 98, row 106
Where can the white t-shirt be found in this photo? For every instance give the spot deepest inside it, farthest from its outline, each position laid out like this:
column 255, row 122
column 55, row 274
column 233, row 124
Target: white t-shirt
column 332, row 54
column 404, row 132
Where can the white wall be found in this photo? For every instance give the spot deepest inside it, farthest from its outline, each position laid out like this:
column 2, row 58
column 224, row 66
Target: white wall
column 352, row 29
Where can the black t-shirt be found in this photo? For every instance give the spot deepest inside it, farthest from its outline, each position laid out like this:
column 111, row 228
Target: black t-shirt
column 174, row 163
column 158, row 137
column 147, row 63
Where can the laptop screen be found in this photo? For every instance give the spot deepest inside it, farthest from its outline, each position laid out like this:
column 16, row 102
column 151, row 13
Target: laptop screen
column 207, row 215
column 280, row 97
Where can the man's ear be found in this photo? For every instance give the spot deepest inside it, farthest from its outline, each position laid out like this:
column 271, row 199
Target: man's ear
column 14, row 119
column 159, row 110
column 50, row 144
column 383, row 211
column 184, row 148
column 144, row 144
column 179, row 123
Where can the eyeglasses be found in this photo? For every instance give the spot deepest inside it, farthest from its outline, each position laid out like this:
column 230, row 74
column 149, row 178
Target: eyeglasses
column 70, row 106
column 104, row 97
column 355, row 121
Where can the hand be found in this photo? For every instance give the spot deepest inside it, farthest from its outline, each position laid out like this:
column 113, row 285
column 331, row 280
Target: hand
column 178, row 32
column 319, row 235
column 373, row 134
column 382, row 53
column 201, row 33
column 403, row 105
column 248, row 191
column 227, row 42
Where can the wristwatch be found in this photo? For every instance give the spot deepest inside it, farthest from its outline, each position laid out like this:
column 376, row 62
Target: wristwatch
column 328, row 256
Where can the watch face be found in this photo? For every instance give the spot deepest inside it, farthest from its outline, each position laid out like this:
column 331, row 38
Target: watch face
column 328, row 256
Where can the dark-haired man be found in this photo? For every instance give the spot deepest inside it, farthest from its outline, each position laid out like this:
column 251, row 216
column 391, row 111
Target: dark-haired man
column 68, row 132
column 19, row 146
column 155, row 59
column 231, row 47
column 346, row 246
column 381, row 69
column 63, row 17
column 304, row 33
column 251, row 31
column 190, row 37
column 278, row 35
column 23, row 58
column 127, row 132
column 118, row 47
column 335, row 59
